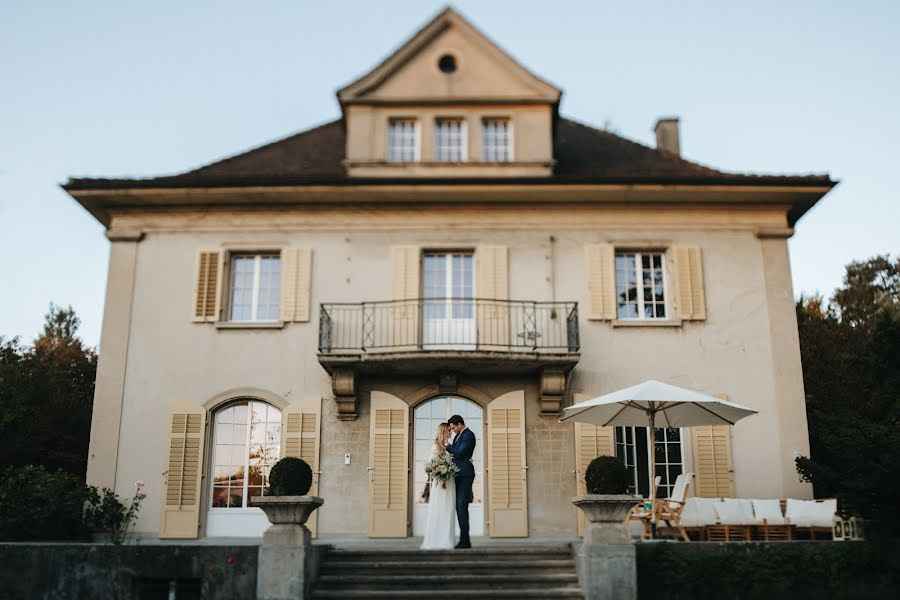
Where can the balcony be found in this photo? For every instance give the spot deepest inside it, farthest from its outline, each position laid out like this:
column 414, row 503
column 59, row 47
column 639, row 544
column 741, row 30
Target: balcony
column 446, row 336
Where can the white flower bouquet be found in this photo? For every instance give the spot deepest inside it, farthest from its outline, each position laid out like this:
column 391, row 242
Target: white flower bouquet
column 442, row 468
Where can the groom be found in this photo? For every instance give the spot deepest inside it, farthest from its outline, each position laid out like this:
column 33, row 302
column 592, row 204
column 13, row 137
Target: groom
column 462, row 448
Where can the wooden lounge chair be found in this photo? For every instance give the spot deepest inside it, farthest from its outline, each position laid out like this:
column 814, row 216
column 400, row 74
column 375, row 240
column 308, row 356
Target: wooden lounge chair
column 735, row 521
column 665, row 510
column 771, row 524
column 811, row 517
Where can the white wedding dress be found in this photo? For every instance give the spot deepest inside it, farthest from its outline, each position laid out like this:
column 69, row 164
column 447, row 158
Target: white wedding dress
column 440, row 527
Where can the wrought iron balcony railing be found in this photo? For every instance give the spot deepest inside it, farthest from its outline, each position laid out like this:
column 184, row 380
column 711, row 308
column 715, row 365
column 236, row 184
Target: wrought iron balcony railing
column 449, row 324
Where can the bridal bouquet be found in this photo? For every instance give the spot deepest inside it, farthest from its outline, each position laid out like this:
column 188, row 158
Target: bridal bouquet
column 442, row 468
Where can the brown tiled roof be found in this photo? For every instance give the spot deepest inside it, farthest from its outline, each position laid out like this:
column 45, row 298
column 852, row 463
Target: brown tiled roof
column 583, row 155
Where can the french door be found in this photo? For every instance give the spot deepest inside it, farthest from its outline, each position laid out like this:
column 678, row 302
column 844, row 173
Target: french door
column 633, row 448
column 449, row 308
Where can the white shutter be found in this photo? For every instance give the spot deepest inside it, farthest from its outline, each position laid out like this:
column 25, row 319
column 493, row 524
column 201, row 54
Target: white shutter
column 388, row 466
column 691, row 295
column 296, row 276
column 600, row 267
column 507, row 467
column 591, row 441
column 403, row 316
column 492, row 283
column 207, row 286
column 301, row 440
column 182, row 485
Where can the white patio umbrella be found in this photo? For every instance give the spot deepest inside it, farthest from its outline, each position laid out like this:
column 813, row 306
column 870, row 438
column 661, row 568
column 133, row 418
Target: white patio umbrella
column 655, row 404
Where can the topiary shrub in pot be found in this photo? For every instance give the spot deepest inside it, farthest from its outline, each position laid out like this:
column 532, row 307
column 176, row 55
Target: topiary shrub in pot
column 607, row 475
column 290, row 477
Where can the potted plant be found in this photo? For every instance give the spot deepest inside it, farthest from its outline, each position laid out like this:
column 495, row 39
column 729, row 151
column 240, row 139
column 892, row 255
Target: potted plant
column 287, row 506
column 607, row 501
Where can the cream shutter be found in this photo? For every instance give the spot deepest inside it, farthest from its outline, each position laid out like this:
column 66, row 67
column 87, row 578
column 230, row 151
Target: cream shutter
column 691, row 296
column 712, row 461
column 600, row 267
column 403, row 317
column 388, row 466
column 301, row 440
column 507, row 468
column 591, row 441
column 296, row 274
column 181, row 500
column 492, row 283
column 207, row 287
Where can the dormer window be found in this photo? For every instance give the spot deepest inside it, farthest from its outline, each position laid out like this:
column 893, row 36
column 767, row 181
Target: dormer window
column 496, row 140
column 403, row 140
column 450, row 140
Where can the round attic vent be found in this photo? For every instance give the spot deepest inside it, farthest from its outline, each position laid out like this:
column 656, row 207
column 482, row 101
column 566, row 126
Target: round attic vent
column 447, row 64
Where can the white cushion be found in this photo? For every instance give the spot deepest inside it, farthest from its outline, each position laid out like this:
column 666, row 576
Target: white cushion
column 699, row 512
column 768, row 511
column 810, row 513
column 733, row 511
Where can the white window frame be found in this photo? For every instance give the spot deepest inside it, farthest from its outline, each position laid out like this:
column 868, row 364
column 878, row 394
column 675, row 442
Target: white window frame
column 245, row 498
column 639, row 280
column 463, row 140
column 510, row 139
column 664, row 488
column 417, row 139
column 257, row 270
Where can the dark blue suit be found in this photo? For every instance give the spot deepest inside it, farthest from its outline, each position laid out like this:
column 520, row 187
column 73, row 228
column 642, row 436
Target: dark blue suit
column 462, row 449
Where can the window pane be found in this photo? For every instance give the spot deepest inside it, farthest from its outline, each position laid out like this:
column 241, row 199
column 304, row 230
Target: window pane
column 448, row 140
column 402, row 140
column 495, row 140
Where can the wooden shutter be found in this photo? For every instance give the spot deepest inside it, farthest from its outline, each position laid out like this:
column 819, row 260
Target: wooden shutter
column 492, row 283
column 296, row 272
column 507, row 468
column 691, row 296
column 388, row 466
column 600, row 264
column 301, row 440
column 207, row 287
column 591, row 441
column 712, row 461
column 403, row 317
column 181, row 498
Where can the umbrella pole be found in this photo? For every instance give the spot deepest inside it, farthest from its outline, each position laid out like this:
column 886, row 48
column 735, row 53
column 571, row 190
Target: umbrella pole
column 652, row 460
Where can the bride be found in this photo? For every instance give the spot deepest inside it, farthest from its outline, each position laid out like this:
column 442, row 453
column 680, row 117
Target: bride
column 440, row 528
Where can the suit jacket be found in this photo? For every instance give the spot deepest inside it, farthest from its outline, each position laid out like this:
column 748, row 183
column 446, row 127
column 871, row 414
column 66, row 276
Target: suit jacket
column 462, row 448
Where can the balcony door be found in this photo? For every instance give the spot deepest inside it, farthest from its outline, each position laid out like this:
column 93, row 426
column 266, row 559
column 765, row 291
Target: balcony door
column 448, row 317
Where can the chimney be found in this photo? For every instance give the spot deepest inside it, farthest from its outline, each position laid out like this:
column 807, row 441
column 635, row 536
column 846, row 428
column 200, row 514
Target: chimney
column 667, row 138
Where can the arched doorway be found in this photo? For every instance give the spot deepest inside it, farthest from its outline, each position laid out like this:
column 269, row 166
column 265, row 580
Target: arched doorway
column 428, row 415
column 246, row 443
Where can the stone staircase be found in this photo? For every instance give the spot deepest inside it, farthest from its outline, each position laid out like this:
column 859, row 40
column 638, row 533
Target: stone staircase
column 533, row 571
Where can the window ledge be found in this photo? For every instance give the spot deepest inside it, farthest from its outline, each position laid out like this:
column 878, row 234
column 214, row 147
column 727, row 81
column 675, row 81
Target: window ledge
column 646, row 323
column 250, row 325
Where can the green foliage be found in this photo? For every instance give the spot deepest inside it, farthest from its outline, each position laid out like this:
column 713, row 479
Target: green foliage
column 606, row 475
column 37, row 504
column 797, row 570
column 46, row 396
column 850, row 351
column 104, row 512
column 290, row 477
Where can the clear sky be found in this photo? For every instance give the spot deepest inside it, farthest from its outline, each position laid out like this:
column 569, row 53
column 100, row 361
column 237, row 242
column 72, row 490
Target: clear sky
column 133, row 89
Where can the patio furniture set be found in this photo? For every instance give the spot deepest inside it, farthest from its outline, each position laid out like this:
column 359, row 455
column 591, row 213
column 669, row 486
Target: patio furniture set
column 732, row 519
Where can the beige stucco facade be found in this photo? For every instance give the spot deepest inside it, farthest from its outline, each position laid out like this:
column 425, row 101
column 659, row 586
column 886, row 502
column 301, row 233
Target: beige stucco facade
column 168, row 344
column 747, row 347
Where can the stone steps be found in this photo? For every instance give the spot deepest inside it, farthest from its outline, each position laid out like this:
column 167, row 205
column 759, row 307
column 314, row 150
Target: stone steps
column 533, row 571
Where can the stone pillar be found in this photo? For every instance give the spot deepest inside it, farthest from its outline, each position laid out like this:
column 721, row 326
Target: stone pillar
column 606, row 560
column 288, row 562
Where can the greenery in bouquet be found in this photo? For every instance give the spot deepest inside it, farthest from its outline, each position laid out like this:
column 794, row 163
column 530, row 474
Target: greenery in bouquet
column 442, row 468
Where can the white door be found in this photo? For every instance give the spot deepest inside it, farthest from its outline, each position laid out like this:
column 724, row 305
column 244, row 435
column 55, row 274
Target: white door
column 449, row 308
column 428, row 416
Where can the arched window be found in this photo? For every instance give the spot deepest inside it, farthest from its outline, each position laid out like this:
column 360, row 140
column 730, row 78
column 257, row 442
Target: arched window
column 246, row 443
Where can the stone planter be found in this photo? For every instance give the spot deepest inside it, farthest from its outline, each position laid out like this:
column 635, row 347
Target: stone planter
column 607, row 568
column 288, row 516
column 288, row 563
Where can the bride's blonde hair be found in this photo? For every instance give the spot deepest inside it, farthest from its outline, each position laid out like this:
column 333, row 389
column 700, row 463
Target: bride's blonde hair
column 441, row 436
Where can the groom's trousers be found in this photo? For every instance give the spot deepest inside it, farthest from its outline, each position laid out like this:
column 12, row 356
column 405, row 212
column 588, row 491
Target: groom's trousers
column 463, row 492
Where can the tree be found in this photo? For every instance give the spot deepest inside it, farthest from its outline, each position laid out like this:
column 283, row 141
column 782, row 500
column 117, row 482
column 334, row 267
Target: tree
column 850, row 349
column 46, row 396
